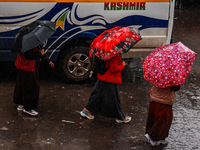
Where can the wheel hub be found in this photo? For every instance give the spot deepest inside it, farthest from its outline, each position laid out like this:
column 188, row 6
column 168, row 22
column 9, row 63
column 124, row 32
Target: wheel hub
column 79, row 64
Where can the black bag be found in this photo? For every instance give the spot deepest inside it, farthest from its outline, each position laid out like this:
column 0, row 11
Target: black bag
column 100, row 66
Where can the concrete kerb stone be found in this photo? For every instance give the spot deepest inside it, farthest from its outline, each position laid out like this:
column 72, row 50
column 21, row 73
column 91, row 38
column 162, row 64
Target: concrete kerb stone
column 133, row 53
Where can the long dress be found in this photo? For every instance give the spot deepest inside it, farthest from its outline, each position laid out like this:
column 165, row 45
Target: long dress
column 27, row 84
column 105, row 98
column 159, row 120
column 160, row 113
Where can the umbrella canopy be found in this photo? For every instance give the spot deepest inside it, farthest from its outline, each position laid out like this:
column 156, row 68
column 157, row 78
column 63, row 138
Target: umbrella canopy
column 32, row 35
column 168, row 65
column 114, row 42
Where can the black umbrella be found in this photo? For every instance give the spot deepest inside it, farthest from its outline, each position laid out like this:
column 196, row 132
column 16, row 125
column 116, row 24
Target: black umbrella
column 32, row 35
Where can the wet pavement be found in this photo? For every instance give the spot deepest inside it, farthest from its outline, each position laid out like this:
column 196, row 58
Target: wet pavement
column 60, row 127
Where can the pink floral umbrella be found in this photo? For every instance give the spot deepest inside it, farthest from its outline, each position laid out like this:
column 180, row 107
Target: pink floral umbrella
column 168, row 65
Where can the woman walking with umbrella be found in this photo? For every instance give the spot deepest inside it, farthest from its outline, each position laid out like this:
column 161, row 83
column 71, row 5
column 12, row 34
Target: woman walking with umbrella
column 28, row 44
column 166, row 68
column 105, row 99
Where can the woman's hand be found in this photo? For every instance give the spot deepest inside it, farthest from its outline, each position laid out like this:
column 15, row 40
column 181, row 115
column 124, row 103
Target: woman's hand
column 42, row 51
column 123, row 63
column 51, row 64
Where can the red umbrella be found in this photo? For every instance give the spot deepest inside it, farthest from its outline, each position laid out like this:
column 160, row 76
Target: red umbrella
column 114, row 42
column 168, row 65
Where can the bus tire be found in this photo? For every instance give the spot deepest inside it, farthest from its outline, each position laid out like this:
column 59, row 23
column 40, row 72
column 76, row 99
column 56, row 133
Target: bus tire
column 75, row 65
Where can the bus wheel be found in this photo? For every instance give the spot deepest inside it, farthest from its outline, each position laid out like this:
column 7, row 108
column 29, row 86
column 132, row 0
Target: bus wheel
column 75, row 65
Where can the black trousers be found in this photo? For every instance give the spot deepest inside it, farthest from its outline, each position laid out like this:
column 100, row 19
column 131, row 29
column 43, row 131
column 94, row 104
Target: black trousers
column 105, row 100
column 26, row 90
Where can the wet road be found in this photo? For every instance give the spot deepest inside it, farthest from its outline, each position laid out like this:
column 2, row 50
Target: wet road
column 60, row 127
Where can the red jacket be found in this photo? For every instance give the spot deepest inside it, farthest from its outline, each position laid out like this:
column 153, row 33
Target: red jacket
column 113, row 74
column 24, row 64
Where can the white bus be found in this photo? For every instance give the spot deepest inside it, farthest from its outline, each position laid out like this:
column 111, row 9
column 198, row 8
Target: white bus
column 78, row 22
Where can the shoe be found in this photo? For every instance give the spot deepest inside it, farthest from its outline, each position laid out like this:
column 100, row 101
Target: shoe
column 164, row 142
column 152, row 142
column 83, row 113
column 31, row 112
column 126, row 120
column 20, row 108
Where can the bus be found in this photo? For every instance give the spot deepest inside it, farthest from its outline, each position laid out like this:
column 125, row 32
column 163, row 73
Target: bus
column 79, row 22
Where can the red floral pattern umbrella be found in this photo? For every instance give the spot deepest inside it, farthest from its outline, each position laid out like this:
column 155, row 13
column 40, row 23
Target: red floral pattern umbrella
column 168, row 65
column 114, row 42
